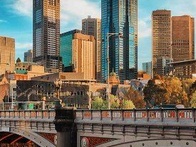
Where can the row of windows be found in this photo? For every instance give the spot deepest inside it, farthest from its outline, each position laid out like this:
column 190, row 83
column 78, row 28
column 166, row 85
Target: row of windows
column 38, row 15
column 38, row 42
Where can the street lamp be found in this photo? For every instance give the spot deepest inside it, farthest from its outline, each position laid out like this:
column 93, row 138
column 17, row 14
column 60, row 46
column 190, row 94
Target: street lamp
column 108, row 62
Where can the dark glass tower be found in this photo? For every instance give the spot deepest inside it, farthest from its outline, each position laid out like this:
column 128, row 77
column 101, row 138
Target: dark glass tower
column 120, row 16
column 46, row 34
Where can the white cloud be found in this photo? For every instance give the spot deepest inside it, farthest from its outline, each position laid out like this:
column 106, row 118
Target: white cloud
column 72, row 12
column 23, row 7
column 22, row 46
column 144, row 28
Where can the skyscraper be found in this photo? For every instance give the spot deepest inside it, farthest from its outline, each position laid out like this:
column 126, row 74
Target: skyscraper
column 161, row 36
column 28, row 56
column 46, row 34
column 92, row 26
column 119, row 16
column 182, row 38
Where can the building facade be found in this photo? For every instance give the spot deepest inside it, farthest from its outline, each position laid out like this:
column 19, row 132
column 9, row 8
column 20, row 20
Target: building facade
column 147, row 67
column 184, row 69
column 66, row 48
column 162, row 65
column 7, row 54
column 28, row 56
column 182, row 38
column 161, row 36
column 46, row 34
column 119, row 17
column 83, row 55
column 92, row 26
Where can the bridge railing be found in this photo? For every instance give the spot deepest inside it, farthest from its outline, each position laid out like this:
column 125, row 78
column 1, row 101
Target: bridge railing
column 133, row 115
column 28, row 115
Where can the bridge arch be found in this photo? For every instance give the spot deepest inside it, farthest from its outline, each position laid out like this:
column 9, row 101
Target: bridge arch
column 34, row 137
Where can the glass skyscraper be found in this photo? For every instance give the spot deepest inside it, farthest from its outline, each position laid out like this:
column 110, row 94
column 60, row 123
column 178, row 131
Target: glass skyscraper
column 120, row 16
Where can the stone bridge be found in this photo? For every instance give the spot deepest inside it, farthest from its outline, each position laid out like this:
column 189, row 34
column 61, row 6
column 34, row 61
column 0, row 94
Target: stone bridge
column 27, row 127
column 136, row 128
column 100, row 128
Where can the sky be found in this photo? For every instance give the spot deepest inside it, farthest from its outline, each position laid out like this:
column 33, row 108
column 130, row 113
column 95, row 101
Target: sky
column 16, row 20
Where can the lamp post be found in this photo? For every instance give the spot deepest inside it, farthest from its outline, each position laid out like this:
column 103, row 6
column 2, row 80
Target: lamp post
column 108, row 63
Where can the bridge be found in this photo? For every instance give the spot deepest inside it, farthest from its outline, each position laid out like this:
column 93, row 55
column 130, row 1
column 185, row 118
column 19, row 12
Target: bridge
column 100, row 128
column 33, row 128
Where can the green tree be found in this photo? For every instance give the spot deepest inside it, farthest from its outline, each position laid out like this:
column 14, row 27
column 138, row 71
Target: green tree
column 193, row 100
column 99, row 103
column 114, row 101
column 127, row 104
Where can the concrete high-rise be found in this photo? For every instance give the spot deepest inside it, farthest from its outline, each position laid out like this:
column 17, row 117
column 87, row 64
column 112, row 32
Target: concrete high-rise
column 46, row 34
column 83, row 55
column 28, row 56
column 92, row 26
column 7, row 54
column 119, row 16
column 161, row 36
column 182, row 38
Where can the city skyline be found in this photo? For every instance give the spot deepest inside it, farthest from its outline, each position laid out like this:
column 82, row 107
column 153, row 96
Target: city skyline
column 16, row 11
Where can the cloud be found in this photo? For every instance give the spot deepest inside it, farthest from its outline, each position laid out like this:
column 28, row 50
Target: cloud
column 23, row 7
column 145, row 29
column 26, row 46
column 72, row 12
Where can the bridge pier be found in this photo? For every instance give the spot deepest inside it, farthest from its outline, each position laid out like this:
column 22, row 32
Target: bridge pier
column 65, row 127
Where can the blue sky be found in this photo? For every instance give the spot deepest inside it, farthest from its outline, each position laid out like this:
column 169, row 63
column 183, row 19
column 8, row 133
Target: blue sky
column 16, row 20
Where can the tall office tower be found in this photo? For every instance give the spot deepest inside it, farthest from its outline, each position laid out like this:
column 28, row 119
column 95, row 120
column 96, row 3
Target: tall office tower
column 83, row 55
column 28, row 56
column 46, row 34
column 66, row 42
column 7, row 54
column 161, row 36
column 182, row 38
column 92, row 26
column 119, row 16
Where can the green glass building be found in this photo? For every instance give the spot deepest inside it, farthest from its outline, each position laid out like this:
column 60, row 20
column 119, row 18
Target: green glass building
column 66, row 47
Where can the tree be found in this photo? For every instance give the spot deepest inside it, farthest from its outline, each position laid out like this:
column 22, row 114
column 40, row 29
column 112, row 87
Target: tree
column 114, row 101
column 99, row 103
column 127, row 104
column 135, row 97
column 193, row 100
column 165, row 90
column 175, row 92
column 151, row 92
